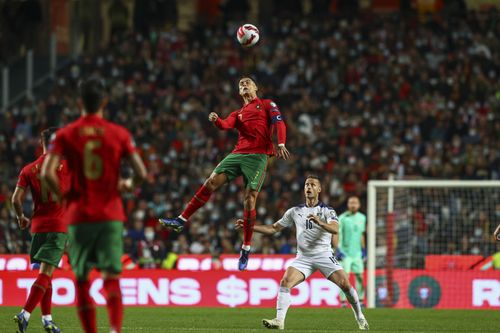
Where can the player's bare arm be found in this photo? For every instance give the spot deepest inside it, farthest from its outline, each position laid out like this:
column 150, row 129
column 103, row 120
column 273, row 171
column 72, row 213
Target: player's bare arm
column 49, row 173
column 261, row 229
column 335, row 240
column 332, row 228
column 497, row 233
column 17, row 202
column 140, row 174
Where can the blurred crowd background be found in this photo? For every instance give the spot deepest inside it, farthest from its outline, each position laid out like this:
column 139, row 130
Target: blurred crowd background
column 364, row 95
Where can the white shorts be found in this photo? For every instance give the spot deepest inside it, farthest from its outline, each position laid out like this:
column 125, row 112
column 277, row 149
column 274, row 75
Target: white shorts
column 325, row 262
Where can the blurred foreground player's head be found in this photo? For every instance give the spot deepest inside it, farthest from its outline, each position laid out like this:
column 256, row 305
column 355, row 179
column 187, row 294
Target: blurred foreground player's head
column 46, row 136
column 92, row 95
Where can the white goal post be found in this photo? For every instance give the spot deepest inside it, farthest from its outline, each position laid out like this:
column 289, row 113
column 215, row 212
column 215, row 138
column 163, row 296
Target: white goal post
column 386, row 189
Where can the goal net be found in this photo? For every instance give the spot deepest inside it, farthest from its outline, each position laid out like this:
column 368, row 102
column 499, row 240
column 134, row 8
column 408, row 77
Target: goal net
column 430, row 244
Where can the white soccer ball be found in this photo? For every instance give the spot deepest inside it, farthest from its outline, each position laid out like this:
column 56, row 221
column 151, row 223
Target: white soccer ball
column 247, row 35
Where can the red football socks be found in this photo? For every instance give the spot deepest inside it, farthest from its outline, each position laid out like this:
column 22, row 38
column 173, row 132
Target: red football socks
column 86, row 307
column 114, row 303
column 249, row 222
column 199, row 200
column 37, row 291
column 46, row 303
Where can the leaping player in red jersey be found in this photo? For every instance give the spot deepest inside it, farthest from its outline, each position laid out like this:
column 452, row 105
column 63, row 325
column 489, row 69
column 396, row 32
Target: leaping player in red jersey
column 48, row 234
column 94, row 149
column 255, row 122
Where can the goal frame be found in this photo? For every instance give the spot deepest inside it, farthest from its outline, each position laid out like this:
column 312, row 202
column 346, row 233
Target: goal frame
column 390, row 185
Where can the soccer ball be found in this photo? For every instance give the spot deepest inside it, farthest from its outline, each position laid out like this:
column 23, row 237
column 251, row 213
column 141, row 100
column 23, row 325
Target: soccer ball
column 247, row 35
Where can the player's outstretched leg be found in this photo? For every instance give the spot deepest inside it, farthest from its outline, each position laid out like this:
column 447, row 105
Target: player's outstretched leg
column 340, row 278
column 282, row 304
column 46, row 306
column 249, row 215
column 86, row 307
column 291, row 278
column 36, row 293
column 114, row 303
column 249, row 221
column 201, row 197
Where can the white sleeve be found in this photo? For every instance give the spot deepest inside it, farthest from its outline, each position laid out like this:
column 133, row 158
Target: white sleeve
column 287, row 219
column 331, row 216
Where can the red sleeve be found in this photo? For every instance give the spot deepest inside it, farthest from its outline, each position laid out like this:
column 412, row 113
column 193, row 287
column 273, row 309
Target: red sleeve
column 277, row 121
column 227, row 123
column 22, row 180
column 281, row 132
column 56, row 144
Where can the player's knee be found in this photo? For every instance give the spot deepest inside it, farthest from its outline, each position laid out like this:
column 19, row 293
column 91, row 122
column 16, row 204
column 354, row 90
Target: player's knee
column 285, row 282
column 344, row 285
column 250, row 200
column 211, row 184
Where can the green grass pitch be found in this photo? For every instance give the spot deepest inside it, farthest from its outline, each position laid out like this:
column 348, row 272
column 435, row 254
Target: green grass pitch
column 242, row 320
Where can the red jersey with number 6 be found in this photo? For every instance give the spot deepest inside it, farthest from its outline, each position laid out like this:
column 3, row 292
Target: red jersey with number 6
column 94, row 149
column 48, row 214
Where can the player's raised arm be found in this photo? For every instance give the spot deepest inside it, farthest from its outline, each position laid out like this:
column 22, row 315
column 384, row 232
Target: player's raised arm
column 279, row 124
column 223, row 124
column 261, row 229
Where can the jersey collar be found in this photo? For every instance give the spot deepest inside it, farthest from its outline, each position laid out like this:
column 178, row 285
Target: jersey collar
column 254, row 101
column 319, row 204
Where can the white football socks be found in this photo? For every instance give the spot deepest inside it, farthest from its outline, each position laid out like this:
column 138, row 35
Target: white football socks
column 352, row 297
column 47, row 317
column 283, row 303
column 246, row 247
column 26, row 314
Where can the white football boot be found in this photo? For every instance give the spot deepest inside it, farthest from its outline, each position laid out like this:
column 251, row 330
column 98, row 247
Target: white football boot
column 362, row 323
column 274, row 324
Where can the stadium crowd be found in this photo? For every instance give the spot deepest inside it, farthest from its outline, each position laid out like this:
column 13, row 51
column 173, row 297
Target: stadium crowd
column 362, row 98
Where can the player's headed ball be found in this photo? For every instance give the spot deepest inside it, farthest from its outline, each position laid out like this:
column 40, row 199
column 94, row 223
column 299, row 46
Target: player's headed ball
column 247, row 35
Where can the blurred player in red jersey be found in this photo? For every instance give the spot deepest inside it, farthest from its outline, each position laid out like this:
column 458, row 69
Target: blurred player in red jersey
column 48, row 233
column 255, row 122
column 94, row 149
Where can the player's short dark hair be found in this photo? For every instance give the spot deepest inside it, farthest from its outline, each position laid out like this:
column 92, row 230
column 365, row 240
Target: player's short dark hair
column 92, row 94
column 313, row 176
column 248, row 76
column 47, row 134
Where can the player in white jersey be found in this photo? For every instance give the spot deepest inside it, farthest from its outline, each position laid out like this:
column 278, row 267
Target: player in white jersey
column 315, row 223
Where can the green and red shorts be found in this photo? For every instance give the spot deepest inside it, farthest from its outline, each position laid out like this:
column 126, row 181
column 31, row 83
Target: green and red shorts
column 251, row 166
column 47, row 247
column 95, row 245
